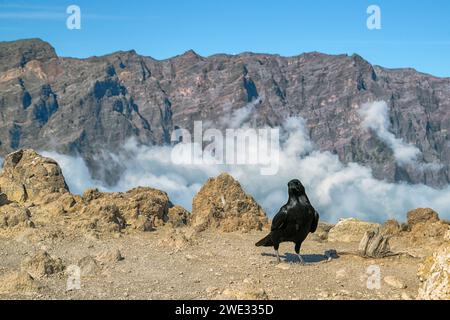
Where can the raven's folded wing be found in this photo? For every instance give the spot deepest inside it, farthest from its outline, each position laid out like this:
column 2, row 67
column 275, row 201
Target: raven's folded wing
column 279, row 221
column 315, row 222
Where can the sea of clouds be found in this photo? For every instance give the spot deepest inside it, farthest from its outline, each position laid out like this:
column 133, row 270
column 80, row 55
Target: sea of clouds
column 336, row 190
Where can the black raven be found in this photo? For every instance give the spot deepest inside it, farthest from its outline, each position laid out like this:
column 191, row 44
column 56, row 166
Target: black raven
column 295, row 220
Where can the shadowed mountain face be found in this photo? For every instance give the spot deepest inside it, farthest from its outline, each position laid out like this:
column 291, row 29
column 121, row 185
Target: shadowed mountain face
column 92, row 105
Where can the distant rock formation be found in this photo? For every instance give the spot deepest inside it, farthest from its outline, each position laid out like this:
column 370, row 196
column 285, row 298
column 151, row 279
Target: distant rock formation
column 34, row 194
column 222, row 204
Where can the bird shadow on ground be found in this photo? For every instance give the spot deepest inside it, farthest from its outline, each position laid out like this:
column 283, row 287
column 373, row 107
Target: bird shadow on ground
column 293, row 258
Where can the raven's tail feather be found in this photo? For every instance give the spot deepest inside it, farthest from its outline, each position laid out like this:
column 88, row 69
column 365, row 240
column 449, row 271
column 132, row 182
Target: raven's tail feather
column 266, row 242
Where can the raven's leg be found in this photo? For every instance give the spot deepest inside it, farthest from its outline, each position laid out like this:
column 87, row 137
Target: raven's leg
column 276, row 247
column 297, row 251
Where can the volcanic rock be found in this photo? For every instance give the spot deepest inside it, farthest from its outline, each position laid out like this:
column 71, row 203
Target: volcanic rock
column 42, row 265
column 429, row 233
column 422, row 215
column 3, row 199
column 19, row 282
column 391, row 228
column 28, row 177
column 178, row 216
column 434, row 273
column 109, row 256
column 322, row 231
column 89, row 266
column 14, row 215
column 222, row 204
column 394, row 282
column 141, row 208
column 350, row 230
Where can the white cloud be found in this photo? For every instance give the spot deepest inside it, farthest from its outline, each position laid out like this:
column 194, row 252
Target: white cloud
column 240, row 117
column 375, row 117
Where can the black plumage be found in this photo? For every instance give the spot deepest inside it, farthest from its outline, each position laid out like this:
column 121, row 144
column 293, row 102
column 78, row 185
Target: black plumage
column 295, row 220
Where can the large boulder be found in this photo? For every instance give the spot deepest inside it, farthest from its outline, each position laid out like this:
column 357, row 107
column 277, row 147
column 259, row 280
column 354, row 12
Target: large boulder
column 321, row 233
column 421, row 215
column 429, row 233
column 28, row 177
column 222, row 204
column 351, row 230
column 178, row 216
column 391, row 228
column 434, row 273
column 425, row 227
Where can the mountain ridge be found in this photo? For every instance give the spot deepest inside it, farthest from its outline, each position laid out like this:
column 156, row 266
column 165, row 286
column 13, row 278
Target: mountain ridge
column 80, row 106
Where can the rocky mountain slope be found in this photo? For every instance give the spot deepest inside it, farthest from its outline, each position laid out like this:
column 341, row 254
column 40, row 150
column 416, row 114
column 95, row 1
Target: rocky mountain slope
column 84, row 106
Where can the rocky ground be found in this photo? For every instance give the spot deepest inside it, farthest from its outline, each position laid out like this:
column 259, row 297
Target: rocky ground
column 159, row 265
column 137, row 245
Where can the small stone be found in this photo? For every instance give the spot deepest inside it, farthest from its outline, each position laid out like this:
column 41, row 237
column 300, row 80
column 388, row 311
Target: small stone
column 88, row 266
column 283, row 266
column 210, row 290
column 340, row 274
column 324, row 294
column 109, row 256
column 394, row 282
column 190, row 257
column 405, row 296
column 3, row 199
column 42, row 265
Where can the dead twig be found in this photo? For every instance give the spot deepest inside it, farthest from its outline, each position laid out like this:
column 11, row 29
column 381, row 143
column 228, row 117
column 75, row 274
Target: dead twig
column 376, row 245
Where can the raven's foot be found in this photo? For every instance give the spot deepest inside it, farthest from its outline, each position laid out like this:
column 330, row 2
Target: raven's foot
column 302, row 261
column 278, row 256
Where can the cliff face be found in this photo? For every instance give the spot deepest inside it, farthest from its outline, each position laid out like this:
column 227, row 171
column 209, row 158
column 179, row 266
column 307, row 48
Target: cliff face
column 84, row 106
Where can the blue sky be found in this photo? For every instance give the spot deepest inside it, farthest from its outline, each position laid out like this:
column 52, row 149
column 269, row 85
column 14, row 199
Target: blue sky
column 414, row 33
